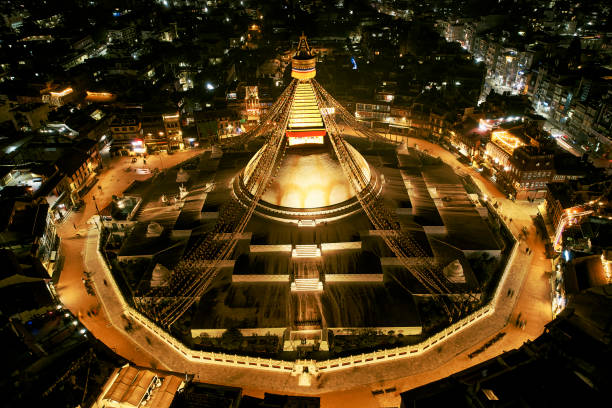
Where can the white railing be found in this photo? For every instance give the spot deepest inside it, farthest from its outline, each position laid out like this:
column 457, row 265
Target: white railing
column 426, row 345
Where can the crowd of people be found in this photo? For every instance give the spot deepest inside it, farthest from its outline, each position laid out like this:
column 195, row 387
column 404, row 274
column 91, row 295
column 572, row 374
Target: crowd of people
column 488, row 344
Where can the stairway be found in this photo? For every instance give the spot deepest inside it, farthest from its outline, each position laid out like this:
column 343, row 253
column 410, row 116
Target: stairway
column 306, row 285
column 306, row 276
column 306, row 251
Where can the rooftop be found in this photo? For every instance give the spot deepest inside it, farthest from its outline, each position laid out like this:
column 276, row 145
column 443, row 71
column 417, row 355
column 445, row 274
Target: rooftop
column 131, row 386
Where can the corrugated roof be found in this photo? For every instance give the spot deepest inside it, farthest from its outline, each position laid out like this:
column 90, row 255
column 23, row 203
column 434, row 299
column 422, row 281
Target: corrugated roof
column 131, row 385
column 139, row 387
column 163, row 396
column 121, row 384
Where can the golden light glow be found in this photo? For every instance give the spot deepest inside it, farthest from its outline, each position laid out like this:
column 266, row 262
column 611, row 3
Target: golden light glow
column 310, row 180
column 305, row 117
column 507, row 141
column 607, row 268
column 62, row 93
column 293, row 141
column 99, row 94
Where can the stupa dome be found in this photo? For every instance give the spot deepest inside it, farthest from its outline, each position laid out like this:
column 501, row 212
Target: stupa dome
column 454, row 272
column 309, row 184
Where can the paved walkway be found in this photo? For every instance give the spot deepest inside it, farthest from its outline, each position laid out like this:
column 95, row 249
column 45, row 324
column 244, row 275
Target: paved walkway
column 113, row 180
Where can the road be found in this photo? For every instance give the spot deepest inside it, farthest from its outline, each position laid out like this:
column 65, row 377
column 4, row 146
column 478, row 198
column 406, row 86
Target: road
column 113, row 180
column 353, row 386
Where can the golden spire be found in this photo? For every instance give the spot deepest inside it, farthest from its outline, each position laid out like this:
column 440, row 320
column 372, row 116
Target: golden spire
column 303, row 50
column 303, row 62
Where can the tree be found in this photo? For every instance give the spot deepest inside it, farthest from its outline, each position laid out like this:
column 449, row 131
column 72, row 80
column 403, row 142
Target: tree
column 231, row 338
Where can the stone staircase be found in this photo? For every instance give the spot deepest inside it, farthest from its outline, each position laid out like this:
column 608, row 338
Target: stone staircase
column 306, row 276
column 306, row 251
column 306, row 285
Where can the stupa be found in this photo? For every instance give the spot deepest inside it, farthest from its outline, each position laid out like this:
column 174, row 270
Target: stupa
column 309, row 185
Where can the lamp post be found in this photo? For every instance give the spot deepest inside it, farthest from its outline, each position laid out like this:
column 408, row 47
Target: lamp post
column 161, row 162
column 93, row 197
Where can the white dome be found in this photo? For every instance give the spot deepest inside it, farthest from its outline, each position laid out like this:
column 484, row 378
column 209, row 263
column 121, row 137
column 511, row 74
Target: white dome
column 160, row 276
column 154, row 230
column 309, row 178
column 454, row 272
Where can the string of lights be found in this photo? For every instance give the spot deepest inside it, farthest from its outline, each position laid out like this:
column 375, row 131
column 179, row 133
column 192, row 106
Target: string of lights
column 194, row 275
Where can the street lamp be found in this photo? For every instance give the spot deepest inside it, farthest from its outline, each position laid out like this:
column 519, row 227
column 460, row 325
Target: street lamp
column 93, row 197
column 161, row 161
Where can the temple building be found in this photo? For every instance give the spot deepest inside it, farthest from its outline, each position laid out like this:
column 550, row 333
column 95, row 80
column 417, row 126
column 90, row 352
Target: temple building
column 310, row 262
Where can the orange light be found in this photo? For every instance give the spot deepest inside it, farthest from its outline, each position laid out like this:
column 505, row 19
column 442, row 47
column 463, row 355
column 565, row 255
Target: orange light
column 99, row 94
column 62, row 93
column 508, row 141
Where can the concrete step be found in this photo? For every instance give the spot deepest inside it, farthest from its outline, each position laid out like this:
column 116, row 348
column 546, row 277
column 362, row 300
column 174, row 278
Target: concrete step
column 306, row 251
column 306, row 285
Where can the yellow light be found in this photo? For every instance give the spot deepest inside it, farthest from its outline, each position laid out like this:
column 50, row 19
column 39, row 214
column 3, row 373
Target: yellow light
column 62, row 93
column 508, row 141
column 305, row 140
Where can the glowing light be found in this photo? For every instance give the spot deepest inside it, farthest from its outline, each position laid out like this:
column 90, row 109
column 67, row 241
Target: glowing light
column 61, row 93
column 210, row 86
column 566, row 255
column 293, row 141
column 508, row 141
column 99, row 95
